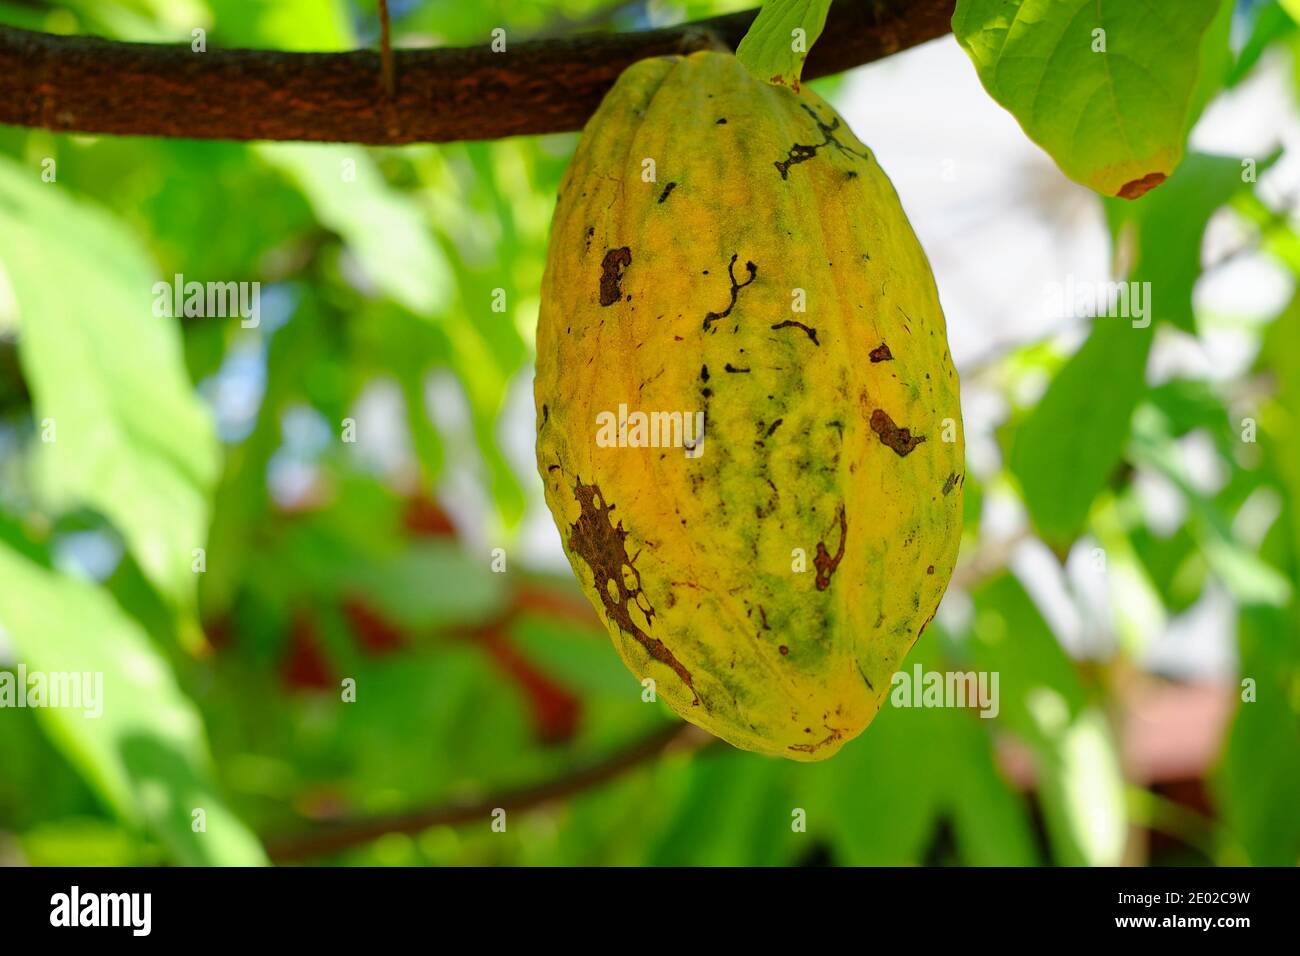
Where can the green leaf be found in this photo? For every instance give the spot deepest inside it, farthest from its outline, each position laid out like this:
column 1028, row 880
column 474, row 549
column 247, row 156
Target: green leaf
column 1271, row 23
column 1258, row 781
column 779, row 39
column 1215, row 62
column 1045, row 705
column 1104, row 86
column 145, row 753
column 940, row 765
column 381, row 226
column 1067, row 449
column 1168, row 227
column 124, row 432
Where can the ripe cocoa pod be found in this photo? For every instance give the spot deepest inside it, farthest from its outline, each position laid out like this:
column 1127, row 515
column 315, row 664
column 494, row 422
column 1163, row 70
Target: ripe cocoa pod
column 771, row 573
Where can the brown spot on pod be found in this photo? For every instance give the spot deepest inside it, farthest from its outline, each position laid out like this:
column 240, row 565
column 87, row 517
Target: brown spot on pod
column 735, row 290
column 790, row 323
column 826, row 564
column 901, row 440
column 881, row 353
column 603, row 546
column 611, row 274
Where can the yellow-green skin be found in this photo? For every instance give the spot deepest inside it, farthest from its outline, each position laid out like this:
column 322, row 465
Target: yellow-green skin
column 772, row 585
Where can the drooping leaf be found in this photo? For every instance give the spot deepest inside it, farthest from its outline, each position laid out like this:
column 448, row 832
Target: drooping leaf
column 145, row 753
column 779, row 39
column 1105, row 86
column 122, row 428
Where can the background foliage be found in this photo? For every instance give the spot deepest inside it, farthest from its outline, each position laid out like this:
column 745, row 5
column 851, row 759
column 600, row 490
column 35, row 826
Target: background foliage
column 326, row 559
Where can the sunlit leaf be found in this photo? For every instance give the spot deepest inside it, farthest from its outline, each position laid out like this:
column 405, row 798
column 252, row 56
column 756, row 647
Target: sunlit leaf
column 779, row 39
column 121, row 426
column 1105, row 86
column 145, row 752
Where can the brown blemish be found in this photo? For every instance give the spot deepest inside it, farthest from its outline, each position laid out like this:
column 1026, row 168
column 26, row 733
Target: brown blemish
column 812, row 748
column 667, row 189
column 881, row 353
column 791, row 323
column 950, row 483
column 930, row 569
column 926, row 624
column 615, row 576
column 785, row 651
column 901, row 440
column 611, row 274
column 801, row 153
column 1140, row 187
column 735, row 289
column 826, row 564
column 865, row 678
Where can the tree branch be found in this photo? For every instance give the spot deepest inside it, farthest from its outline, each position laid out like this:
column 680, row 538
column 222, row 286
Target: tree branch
column 341, row 836
column 91, row 85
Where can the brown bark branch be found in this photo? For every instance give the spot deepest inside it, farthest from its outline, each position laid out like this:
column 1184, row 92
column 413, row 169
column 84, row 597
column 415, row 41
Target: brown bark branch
column 90, row 85
column 341, row 836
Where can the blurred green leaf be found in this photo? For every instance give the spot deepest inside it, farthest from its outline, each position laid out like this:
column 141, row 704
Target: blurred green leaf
column 382, row 227
column 1044, row 704
column 883, row 797
column 1269, row 23
column 733, row 810
column 1166, row 229
column 145, row 752
column 124, row 431
column 1258, row 781
column 1061, row 469
column 306, row 25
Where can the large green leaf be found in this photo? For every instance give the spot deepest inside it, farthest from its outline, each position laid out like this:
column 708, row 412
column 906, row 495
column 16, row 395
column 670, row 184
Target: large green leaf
column 779, row 39
column 129, row 436
column 145, row 753
column 1105, row 86
column 1066, row 450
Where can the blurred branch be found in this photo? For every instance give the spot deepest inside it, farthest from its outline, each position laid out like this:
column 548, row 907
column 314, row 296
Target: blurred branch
column 91, row 85
column 336, row 837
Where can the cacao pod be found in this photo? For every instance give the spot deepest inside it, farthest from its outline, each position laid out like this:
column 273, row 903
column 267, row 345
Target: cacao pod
column 770, row 569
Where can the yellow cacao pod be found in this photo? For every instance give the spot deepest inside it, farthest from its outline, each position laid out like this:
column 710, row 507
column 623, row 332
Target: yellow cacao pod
column 748, row 419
